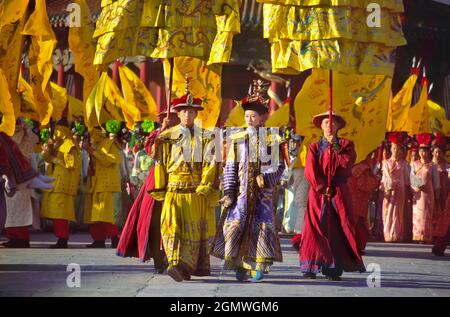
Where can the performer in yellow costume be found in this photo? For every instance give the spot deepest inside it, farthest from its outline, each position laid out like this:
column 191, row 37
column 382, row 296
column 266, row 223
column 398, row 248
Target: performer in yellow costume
column 184, row 178
column 64, row 161
column 103, row 182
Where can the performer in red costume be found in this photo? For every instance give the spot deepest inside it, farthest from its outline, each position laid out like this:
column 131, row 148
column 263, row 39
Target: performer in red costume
column 328, row 239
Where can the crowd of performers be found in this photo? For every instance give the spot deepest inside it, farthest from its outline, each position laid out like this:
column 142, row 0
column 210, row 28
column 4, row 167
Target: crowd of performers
column 184, row 208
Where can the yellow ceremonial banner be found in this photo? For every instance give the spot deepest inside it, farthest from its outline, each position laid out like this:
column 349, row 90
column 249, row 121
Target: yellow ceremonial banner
column 28, row 104
column 43, row 42
column 75, row 108
column 438, row 120
column 83, row 47
column 294, row 56
column 204, row 83
column 228, row 24
column 394, row 6
column 418, row 119
column 139, row 102
column 400, row 104
column 12, row 11
column 59, row 100
column 38, row 24
column 7, row 124
column 324, row 23
column 42, row 95
column 160, row 29
column 332, row 35
column 104, row 103
column 118, row 31
column 280, row 118
column 236, row 116
column 12, row 20
column 362, row 100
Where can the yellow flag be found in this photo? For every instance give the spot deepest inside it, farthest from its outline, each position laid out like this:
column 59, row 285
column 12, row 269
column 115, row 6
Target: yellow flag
column 90, row 118
column 139, row 101
column 38, row 24
column 8, row 120
column 236, row 116
column 43, row 42
column 400, row 104
column 83, row 47
column 116, row 107
column 28, row 104
column 104, row 102
column 11, row 11
column 59, row 100
column 331, row 35
column 204, row 83
column 75, row 107
column 418, row 119
column 39, row 83
column 360, row 99
column 438, row 120
column 280, row 118
column 12, row 21
column 166, row 29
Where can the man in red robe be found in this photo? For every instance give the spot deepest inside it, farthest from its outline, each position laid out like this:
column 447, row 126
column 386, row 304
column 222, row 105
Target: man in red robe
column 328, row 240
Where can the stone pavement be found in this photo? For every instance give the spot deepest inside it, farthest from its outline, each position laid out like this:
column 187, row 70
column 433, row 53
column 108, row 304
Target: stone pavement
column 405, row 270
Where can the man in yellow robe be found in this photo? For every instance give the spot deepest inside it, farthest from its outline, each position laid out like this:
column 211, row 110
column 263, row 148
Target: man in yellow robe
column 64, row 162
column 103, row 182
column 184, row 178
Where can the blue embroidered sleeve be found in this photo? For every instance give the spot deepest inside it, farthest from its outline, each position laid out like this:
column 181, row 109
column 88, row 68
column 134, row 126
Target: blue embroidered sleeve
column 230, row 178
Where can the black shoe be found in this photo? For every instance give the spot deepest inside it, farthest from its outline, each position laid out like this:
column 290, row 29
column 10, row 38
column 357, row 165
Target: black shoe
column 309, row 276
column 241, row 274
column 334, row 278
column 186, row 276
column 175, row 273
column 161, row 268
column 61, row 244
column 17, row 244
column 114, row 242
column 437, row 252
column 97, row 244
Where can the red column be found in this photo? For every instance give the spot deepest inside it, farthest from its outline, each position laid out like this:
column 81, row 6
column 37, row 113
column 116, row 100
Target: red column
column 60, row 80
column 160, row 97
column 115, row 72
column 143, row 72
column 77, row 88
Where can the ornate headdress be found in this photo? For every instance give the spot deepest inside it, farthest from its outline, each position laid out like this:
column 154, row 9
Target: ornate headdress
column 258, row 99
column 187, row 101
column 399, row 138
column 424, row 139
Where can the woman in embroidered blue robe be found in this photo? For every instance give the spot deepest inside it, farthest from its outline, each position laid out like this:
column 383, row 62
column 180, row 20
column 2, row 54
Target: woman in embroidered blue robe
column 246, row 236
